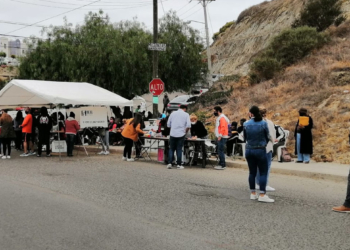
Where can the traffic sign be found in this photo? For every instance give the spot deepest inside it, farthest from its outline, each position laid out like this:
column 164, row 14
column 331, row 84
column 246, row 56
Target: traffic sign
column 157, row 46
column 156, row 86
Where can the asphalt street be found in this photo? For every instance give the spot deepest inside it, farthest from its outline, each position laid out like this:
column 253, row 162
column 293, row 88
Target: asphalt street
column 104, row 203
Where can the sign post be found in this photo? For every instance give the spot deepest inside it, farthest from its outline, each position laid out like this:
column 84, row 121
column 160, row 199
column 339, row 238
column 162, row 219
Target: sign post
column 156, row 87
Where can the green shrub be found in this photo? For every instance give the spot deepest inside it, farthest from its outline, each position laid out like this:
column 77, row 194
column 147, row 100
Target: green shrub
column 264, row 68
column 320, row 14
column 285, row 49
column 2, row 54
column 293, row 44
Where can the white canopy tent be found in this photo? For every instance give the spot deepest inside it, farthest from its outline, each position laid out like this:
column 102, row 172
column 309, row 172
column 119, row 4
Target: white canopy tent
column 39, row 93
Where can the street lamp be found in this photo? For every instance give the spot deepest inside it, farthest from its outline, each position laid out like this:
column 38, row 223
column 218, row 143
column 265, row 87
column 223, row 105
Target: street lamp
column 208, row 50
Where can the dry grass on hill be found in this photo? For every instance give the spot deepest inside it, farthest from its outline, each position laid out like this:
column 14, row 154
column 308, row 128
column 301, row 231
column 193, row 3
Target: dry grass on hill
column 320, row 83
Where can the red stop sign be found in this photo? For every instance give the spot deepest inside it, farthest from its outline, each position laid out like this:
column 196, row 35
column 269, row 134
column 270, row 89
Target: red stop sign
column 156, row 87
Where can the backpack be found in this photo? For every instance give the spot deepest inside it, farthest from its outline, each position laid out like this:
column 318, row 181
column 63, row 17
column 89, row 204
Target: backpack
column 286, row 157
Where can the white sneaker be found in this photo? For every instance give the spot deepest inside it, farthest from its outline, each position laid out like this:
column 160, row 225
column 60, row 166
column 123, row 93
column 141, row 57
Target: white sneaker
column 270, row 189
column 101, row 153
column 24, row 155
column 8, row 157
column 180, row 167
column 220, row 168
column 124, row 158
column 107, row 153
column 266, row 199
column 131, row 159
column 254, row 196
column 169, row 166
column 32, row 153
column 4, row 157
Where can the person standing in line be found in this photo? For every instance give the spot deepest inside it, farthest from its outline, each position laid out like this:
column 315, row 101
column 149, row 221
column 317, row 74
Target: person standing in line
column 221, row 133
column 345, row 208
column 256, row 133
column 280, row 140
column 165, row 102
column 269, row 149
column 17, row 123
column 303, row 137
column 72, row 128
column 44, row 126
column 27, row 134
column 131, row 134
column 179, row 124
column 7, row 134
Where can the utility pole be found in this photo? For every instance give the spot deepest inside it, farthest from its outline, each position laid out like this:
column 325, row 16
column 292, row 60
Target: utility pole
column 155, row 55
column 205, row 4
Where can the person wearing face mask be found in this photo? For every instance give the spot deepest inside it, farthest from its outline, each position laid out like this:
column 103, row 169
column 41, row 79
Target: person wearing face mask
column 197, row 128
column 197, row 131
column 221, row 133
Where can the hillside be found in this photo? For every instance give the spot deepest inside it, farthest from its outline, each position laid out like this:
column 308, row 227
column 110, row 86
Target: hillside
column 255, row 27
column 320, row 83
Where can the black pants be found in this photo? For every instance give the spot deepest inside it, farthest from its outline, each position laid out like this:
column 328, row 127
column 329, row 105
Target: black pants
column 44, row 141
column 70, row 139
column 275, row 147
column 139, row 144
column 6, row 143
column 128, row 147
column 18, row 140
column 229, row 146
column 347, row 200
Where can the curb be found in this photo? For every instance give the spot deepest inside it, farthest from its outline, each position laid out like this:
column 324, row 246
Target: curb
column 242, row 165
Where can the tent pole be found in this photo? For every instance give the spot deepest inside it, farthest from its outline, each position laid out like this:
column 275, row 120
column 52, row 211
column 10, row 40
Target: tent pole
column 58, row 132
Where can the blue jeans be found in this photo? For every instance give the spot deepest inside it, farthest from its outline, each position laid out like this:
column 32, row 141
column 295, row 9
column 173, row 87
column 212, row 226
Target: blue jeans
column 301, row 157
column 269, row 160
column 257, row 160
column 221, row 152
column 70, row 139
column 176, row 143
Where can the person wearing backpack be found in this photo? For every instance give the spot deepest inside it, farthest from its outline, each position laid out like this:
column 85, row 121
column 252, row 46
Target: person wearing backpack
column 280, row 140
column 303, row 137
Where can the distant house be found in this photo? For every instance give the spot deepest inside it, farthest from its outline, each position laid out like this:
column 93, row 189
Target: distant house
column 4, row 45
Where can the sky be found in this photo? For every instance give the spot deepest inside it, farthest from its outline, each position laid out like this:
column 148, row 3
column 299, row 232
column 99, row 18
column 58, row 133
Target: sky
column 26, row 12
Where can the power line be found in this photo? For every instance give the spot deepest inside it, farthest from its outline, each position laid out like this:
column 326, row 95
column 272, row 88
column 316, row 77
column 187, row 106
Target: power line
column 17, row 23
column 97, row 6
column 162, row 6
column 189, row 10
column 182, row 7
column 192, row 14
column 211, row 25
column 53, row 17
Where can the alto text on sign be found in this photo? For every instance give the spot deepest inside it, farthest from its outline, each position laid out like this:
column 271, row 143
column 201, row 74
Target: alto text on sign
column 156, row 86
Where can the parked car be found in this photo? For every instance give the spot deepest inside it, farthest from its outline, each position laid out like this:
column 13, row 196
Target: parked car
column 181, row 100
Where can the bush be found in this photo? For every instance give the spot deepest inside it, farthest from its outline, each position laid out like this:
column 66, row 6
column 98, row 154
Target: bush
column 286, row 49
column 13, row 56
column 265, row 68
column 293, row 44
column 223, row 29
column 321, row 14
column 2, row 54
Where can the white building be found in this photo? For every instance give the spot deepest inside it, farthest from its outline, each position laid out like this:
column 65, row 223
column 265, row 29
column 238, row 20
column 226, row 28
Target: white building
column 16, row 47
column 4, row 45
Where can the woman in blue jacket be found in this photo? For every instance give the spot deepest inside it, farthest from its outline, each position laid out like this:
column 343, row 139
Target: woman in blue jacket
column 256, row 133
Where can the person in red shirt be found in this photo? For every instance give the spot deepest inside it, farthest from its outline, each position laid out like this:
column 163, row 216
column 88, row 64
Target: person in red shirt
column 72, row 128
column 27, row 133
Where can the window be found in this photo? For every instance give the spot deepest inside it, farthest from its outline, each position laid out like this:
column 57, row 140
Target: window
column 22, row 51
column 5, row 46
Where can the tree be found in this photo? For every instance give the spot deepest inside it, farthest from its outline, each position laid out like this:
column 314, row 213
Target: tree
column 320, row 14
column 2, row 54
column 114, row 56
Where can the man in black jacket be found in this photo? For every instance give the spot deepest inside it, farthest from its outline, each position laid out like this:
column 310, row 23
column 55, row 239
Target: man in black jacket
column 44, row 123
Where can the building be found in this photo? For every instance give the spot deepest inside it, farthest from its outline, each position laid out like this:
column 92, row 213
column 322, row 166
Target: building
column 16, row 47
column 4, row 45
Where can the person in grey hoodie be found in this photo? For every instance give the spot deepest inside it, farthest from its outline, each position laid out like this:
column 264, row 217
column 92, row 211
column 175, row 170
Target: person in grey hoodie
column 221, row 133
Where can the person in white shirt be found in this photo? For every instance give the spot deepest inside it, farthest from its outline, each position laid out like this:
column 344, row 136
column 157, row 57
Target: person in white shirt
column 179, row 124
column 269, row 148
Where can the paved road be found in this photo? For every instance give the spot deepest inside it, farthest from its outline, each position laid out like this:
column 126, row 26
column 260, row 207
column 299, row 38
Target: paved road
column 104, row 203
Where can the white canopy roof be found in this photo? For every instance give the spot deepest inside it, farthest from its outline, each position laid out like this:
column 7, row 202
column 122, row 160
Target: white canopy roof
column 37, row 93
